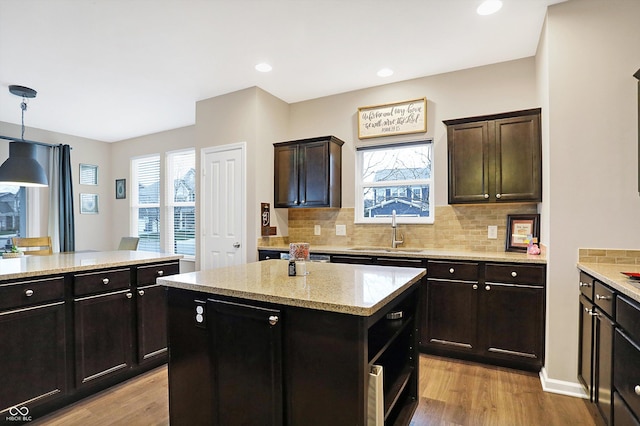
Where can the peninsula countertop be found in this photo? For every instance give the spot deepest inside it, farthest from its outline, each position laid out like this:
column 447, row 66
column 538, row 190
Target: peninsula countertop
column 59, row 263
column 612, row 275
column 352, row 289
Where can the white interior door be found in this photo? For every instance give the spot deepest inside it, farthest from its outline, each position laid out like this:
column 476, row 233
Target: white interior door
column 223, row 206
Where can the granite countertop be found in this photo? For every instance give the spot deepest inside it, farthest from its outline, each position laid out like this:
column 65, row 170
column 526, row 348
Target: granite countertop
column 407, row 252
column 611, row 274
column 352, row 289
column 59, row 263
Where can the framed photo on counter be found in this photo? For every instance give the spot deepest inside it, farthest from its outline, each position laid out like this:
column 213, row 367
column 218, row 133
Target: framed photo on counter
column 519, row 228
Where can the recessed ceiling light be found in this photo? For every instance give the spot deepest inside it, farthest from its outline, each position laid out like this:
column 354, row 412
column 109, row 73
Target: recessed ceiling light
column 489, row 7
column 385, row 72
column 263, row 67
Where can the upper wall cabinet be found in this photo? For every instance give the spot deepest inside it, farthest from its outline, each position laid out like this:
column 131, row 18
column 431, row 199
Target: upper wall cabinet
column 495, row 158
column 308, row 172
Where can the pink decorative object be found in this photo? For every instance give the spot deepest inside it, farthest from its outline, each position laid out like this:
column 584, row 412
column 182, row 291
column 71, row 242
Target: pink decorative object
column 299, row 251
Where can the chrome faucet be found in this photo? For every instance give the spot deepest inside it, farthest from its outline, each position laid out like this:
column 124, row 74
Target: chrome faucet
column 394, row 241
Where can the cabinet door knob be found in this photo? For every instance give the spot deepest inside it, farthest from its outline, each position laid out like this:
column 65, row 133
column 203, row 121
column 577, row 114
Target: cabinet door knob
column 636, row 389
column 160, row 273
column 105, row 281
column 451, row 270
column 487, row 287
column 141, row 292
column 486, row 195
column 273, row 319
column 584, row 284
column 514, row 274
column 129, row 295
column 28, row 293
column 498, row 195
column 599, row 297
column 475, row 286
column 267, row 258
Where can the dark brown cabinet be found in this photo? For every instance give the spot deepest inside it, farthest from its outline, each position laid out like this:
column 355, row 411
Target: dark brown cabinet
column 32, row 329
column 495, row 158
column 486, row 312
column 103, row 338
column 308, row 172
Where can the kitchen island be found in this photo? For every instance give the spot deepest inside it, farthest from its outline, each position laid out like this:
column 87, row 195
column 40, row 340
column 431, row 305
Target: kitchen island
column 251, row 345
column 73, row 324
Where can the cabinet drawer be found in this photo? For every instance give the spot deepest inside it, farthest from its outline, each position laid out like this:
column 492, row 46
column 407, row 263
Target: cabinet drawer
column 628, row 317
column 604, row 298
column 24, row 293
column 626, row 372
column 95, row 282
column 147, row 274
column 621, row 413
column 460, row 271
column 515, row 274
column 397, row 261
column 586, row 285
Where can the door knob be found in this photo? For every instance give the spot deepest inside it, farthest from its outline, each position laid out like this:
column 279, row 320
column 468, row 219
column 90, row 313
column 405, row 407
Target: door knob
column 273, row 319
column 236, row 245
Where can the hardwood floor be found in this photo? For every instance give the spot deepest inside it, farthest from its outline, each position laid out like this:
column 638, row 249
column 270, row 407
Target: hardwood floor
column 451, row 393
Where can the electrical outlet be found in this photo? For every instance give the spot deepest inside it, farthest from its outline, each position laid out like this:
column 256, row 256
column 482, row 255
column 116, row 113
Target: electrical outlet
column 316, row 230
column 341, row 229
column 492, row 232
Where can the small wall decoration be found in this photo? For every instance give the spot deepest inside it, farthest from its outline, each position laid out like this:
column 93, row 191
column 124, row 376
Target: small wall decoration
column 88, row 174
column 521, row 229
column 88, row 203
column 399, row 118
column 121, row 189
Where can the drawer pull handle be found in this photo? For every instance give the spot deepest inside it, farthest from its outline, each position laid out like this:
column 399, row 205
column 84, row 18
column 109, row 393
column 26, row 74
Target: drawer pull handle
column 487, row 287
column 273, row 319
column 141, row 292
column 498, row 196
column 129, row 295
column 160, row 273
column 105, row 281
column 599, row 297
column 636, row 389
column 593, row 313
column 451, row 270
column 514, row 274
column 28, row 293
column 584, row 284
column 475, row 286
column 486, row 196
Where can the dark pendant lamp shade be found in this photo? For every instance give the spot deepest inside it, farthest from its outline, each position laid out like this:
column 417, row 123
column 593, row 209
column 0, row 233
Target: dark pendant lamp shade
column 22, row 168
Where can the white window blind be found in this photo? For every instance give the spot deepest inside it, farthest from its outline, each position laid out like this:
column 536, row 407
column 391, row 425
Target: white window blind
column 181, row 202
column 145, row 205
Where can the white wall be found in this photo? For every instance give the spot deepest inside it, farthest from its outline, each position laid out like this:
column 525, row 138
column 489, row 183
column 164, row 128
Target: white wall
column 591, row 49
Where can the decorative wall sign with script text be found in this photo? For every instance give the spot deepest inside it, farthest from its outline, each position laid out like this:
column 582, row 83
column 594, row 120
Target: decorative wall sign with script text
column 399, row 118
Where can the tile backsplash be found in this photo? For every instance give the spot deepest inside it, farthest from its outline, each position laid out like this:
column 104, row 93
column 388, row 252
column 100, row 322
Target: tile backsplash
column 456, row 227
column 620, row 256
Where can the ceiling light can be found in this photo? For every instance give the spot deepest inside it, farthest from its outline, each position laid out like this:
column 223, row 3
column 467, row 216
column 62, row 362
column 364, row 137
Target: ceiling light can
column 489, row 7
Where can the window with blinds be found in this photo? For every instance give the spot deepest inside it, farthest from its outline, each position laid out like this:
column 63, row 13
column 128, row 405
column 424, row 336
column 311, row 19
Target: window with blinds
column 145, row 201
column 181, row 202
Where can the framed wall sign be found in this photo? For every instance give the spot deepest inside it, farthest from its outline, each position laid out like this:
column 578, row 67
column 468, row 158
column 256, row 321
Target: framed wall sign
column 88, row 203
column 88, row 174
column 121, row 189
column 520, row 228
column 399, row 118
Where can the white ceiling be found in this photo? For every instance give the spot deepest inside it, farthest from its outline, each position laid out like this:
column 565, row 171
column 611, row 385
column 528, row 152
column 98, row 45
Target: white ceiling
column 115, row 69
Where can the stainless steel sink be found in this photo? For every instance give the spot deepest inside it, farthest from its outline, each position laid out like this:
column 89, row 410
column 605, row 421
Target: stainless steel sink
column 385, row 249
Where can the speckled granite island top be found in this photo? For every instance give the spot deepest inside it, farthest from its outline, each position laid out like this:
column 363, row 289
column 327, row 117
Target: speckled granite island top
column 611, row 274
column 351, row 289
column 58, row 263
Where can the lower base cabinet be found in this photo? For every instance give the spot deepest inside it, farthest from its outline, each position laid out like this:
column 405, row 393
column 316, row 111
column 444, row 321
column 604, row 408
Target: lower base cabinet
column 234, row 361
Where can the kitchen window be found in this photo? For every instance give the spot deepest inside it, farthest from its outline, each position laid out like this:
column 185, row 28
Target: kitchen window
column 145, row 202
column 181, row 202
column 394, row 177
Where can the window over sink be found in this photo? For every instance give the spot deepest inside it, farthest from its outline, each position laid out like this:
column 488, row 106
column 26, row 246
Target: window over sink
column 398, row 178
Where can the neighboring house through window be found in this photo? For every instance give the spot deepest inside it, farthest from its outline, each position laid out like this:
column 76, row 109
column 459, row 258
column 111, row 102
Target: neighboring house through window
column 12, row 214
column 181, row 202
column 394, row 177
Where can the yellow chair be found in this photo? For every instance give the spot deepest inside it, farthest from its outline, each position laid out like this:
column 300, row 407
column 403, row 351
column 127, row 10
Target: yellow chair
column 129, row 243
column 37, row 245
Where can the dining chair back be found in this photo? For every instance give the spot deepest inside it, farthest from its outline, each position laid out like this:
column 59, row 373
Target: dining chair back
column 34, row 245
column 129, row 243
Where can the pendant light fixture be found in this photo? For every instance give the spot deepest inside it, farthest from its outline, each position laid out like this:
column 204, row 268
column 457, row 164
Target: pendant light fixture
column 22, row 168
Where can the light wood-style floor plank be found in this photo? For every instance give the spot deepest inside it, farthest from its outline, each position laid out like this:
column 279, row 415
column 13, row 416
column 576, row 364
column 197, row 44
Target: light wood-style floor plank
column 452, row 392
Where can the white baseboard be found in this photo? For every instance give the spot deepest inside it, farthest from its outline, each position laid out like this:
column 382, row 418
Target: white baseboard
column 574, row 389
